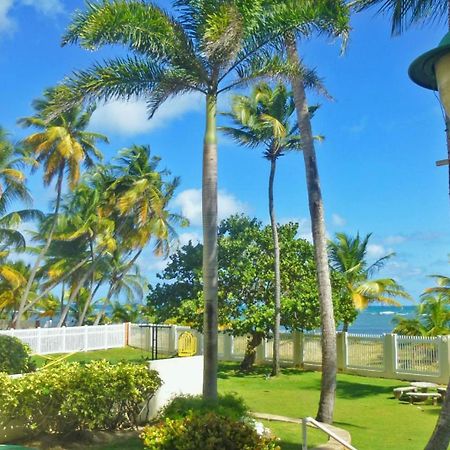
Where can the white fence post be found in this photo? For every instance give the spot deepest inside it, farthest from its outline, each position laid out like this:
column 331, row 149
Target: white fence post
column 390, row 355
column 444, row 358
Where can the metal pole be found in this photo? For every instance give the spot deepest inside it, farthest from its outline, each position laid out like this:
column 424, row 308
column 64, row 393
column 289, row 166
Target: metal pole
column 305, row 434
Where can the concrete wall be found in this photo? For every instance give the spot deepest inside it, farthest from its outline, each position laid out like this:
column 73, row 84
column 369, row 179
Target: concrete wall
column 180, row 376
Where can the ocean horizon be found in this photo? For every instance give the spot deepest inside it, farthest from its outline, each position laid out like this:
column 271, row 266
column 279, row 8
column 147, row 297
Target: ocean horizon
column 377, row 319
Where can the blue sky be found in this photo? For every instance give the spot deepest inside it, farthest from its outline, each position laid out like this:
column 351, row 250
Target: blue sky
column 377, row 163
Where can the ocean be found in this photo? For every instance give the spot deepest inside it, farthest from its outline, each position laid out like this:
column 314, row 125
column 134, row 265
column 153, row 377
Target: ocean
column 377, row 319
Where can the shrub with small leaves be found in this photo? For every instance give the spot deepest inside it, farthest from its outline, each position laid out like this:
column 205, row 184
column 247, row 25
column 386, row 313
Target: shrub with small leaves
column 14, row 356
column 95, row 396
column 227, row 405
column 208, row 431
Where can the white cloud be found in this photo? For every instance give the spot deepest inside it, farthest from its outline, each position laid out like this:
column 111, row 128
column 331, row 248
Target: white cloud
column 338, row 220
column 131, row 118
column 47, row 7
column 6, row 23
column 376, row 251
column 190, row 203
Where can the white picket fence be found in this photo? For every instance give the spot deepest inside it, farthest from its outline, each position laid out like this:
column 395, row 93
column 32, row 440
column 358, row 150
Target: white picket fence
column 45, row 341
column 388, row 356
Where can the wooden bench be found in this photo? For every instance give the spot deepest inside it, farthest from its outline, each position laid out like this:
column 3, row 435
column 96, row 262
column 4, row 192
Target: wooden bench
column 422, row 396
column 400, row 391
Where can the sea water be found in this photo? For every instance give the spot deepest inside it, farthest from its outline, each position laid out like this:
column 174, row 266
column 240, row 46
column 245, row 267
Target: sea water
column 377, row 319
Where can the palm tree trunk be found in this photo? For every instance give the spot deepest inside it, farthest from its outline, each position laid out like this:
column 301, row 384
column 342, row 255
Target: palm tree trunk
column 88, row 303
column 44, row 250
column 276, row 253
column 329, row 363
column 75, row 292
column 440, row 438
column 105, row 303
column 53, row 285
column 210, row 270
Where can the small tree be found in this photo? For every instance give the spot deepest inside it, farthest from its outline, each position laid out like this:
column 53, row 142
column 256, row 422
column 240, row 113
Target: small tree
column 246, row 274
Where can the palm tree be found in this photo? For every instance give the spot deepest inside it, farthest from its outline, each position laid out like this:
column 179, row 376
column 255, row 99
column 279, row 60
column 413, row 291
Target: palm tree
column 263, row 119
column 331, row 18
column 432, row 317
column 12, row 179
column 348, row 257
column 61, row 145
column 208, row 47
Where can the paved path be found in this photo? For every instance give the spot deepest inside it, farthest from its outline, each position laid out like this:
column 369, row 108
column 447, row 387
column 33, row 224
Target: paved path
column 330, row 445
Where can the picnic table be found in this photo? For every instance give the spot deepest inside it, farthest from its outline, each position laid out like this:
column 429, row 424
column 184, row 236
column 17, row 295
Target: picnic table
column 423, row 386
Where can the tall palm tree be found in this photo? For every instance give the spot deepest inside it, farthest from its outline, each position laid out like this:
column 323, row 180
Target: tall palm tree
column 61, row 146
column 207, row 47
column 348, row 255
column 264, row 119
column 332, row 19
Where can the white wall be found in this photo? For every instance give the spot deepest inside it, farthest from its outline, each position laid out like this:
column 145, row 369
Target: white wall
column 180, row 376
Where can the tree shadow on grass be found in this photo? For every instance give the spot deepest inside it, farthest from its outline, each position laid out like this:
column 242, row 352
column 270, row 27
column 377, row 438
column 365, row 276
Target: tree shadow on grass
column 227, row 370
column 346, row 389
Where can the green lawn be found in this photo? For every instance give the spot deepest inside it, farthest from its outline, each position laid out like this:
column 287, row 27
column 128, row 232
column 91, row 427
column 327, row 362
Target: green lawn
column 364, row 406
column 113, row 355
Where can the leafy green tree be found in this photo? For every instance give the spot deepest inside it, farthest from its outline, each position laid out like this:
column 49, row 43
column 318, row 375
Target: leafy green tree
column 246, row 275
column 348, row 255
column 207, row 47
column 263, row 119
column 61, row 145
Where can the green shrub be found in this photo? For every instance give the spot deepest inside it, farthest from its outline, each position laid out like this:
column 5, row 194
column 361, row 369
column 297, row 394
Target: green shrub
column 14, row 356
column 227, row 405
column 95, row 396
column 208, row 431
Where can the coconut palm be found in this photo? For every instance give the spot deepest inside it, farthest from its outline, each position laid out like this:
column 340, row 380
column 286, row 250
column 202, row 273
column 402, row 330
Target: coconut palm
column 432, row 317
column 404, row 13
column 61, row 146
column 332, row 19
column 443, row 285
column 348, row 255
column 12, row 179
column 264, row 119
column 208, row 47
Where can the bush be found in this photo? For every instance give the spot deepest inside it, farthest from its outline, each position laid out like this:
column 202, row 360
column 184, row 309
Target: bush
column 14, row 356
column 228, row 405
column 208, row 431
column 95, row 396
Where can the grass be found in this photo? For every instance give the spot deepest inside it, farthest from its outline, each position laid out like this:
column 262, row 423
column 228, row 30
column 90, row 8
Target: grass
column 364, row 406
column 113, row 355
